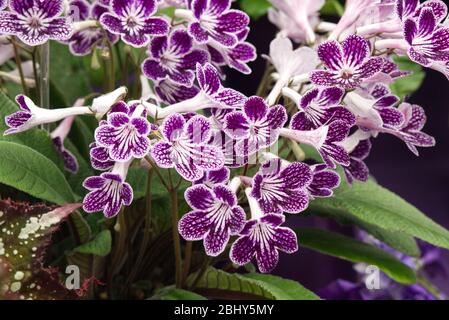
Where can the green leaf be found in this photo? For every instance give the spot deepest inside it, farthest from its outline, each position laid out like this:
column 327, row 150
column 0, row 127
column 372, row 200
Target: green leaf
column 67, row 73
column 397, row 240
column 36, row 139
column 219, row 284
column 332, row 8
column 406, row 86
column 355, row 251
column 99, row 246
column 282, row 289
column 255, row 8
column 172, row 293
column 378, row 206
column 29, row 171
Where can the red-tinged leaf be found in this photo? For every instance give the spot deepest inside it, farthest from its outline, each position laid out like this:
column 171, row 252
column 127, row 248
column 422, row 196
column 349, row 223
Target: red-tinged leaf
column 25, row 234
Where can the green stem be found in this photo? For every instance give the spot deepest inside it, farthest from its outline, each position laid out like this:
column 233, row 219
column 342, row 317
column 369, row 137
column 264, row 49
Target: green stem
column 176, row 238
column 44, row 77
column 19, row 66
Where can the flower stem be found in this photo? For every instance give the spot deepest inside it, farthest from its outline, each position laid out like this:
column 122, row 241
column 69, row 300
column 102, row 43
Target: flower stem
column 19, row 66
column 44, row 78
column 187, row 262
column 176, row 238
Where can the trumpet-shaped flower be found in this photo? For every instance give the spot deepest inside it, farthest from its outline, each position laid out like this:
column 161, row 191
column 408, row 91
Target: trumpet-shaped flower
column 215, row 217
column 35, row 21
column 133, row 20
column 347, row 64
column 185, row 147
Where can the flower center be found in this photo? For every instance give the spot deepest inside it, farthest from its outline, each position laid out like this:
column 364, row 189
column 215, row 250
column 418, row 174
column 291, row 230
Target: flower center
column 34, row 22
column 346, row 74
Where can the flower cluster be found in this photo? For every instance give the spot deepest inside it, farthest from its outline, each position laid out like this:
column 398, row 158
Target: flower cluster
column 333, row 97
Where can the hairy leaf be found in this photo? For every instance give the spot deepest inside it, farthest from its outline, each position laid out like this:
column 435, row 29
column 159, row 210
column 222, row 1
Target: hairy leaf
column 172, row 293
column 255, row 8
column 355, row 251
column 99, row 246
column 29, row 171
column 404, row 87
column 219, row 284
column 378, row 206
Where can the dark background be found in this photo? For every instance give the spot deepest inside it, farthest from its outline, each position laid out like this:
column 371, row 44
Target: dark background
column 423, row 180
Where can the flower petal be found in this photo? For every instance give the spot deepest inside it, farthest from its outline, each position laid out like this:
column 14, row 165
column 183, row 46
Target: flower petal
column 161, row 152
column 199, row 197
column 330, row 53
column 194, row 225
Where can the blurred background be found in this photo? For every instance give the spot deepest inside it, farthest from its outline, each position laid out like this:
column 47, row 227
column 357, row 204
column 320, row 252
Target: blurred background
column 422, row 181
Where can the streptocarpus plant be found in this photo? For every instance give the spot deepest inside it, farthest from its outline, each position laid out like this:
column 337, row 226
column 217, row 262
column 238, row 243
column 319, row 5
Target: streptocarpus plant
column 162, row 153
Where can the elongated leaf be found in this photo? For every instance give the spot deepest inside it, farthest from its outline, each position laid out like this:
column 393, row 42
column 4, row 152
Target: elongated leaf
column 395, row 239
column 172, row 293
column 355, row 251
column 27, row 170
column 406, row 86
column 255, row 8
column 99, row 246
column 219, row 284
column 376, row 205
column 36, row 139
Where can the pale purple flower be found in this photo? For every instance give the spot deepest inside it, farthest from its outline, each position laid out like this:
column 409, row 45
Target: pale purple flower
column 323, row 182
column 256, row 127
column 261, row 239
column 280, row 189
column 289, row 63
column 233, row 158
column 236, row 57
column 108, row 193
column 133, row 21
column 31, row 115
column 3, row 4
column 357, row 169
column 213, row 177
column 347, row 64
column 326, row 140
column 214, row 20
column 296, row 19
column 353, row 10
column 35, row 21
column 174, row 57
column 82, row 42
column 215, row 217
column 319, row 107
column 427, row 41
column 185, row 147
column 125, row 134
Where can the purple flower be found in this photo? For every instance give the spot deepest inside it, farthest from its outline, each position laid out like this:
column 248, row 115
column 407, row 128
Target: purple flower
column 210, row 85
column 256, row 127
column 326, row 140
column 185, row 147
column 58, row 136
column 280, row 188
column 261, row 239
column 233, row 158
column 132, row 20
column 171, row 92
column 214, row 20
column 108, row 192
column 236, row 57
column 3, row 4
column 215, row 217
column 412, row 8
column 35, row 22
column 125, row 136
column 357, row 169
column 84, row 41
column 320, row 106
column 411, row 130
column 348, row 64
column 323, row 181
column 427, row 41
column 173, row 57
column 99, row 158
column 31, row 115
column 214, row 177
